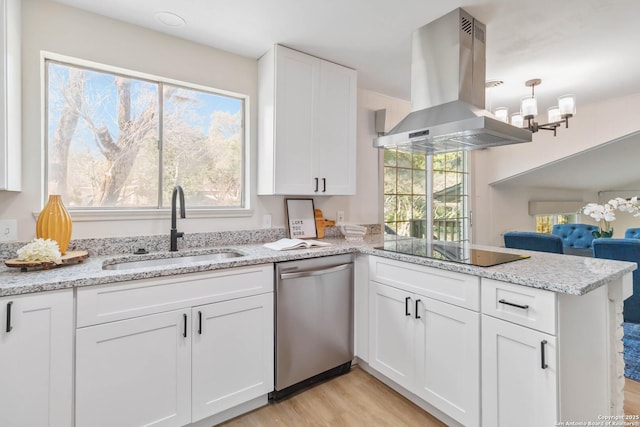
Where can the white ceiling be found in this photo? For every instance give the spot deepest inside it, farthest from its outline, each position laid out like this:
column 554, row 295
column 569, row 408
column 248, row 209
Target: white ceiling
column 590, row 48
column 584, row 47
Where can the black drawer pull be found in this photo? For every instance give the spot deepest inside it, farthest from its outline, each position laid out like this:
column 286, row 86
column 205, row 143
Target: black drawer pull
column 200, row 322
column 9, row 327
column 543, row 362
column 316, row 190
column 417, row 315
column 406, row 306
column 324, row 185
column 184, row 332
column 524, row 307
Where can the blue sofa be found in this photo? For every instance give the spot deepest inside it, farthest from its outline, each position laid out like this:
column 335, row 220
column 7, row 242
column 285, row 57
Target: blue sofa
column 575, row 237
column 533, row 241
column 632, row 233
column 623, row 250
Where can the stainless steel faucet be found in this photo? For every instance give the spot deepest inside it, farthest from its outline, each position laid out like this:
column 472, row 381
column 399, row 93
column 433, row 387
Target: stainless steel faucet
column 174, row 229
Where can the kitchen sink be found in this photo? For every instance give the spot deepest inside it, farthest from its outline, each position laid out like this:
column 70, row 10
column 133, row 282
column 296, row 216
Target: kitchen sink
column 217, row 256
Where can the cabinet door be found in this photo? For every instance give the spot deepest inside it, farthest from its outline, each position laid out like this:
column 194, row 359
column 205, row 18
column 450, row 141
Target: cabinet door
column 335, row 147
column 391, row 341
column 296, row 99
column 10, row 97
column 232, row 353
column 448, row 359
column 36, row 359
column 135, row 372
column 516, row 389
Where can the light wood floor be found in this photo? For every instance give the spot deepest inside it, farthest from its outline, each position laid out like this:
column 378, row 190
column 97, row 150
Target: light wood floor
column 353, row 399
column 631, row 397
column 357, row 399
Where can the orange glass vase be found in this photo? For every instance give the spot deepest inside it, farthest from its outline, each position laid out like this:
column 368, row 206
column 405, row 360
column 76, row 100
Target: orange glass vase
column 54, row 222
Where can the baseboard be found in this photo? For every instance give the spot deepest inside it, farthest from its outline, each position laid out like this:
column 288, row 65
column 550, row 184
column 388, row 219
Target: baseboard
column 230, row 413
column 408, row 395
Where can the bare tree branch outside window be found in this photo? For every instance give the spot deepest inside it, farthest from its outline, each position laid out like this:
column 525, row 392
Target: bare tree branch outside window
column 104, row 147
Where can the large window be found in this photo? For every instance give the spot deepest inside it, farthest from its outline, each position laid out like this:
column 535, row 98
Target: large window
column 118, row 141
column 424, row 192
column 545, row 223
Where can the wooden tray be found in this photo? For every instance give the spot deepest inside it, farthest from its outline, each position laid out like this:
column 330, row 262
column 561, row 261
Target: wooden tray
column 71, row 257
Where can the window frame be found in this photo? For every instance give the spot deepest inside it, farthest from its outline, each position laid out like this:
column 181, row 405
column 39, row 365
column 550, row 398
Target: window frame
column 147, row 213
column 464, row 220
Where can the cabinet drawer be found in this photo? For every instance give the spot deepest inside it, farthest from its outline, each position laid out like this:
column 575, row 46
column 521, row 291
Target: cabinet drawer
column 530, row 307
column 107, row 303
column 454, row 288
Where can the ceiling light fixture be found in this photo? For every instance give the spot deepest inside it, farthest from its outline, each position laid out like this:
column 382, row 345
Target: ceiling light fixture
column 170, row 19
column 556, row 115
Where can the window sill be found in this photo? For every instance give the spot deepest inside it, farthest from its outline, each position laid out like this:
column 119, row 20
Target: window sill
column 89, row 215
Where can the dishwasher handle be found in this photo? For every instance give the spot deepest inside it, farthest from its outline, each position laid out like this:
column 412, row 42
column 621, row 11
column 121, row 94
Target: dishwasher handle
column 309, row 273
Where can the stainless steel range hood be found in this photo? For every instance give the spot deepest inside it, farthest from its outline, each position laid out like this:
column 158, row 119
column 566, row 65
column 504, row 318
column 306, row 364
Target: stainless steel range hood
column 448, row 92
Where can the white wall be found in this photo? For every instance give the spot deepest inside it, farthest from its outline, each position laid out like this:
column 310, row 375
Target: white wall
column 67, row 31
column 593, row 125
column 501, row 208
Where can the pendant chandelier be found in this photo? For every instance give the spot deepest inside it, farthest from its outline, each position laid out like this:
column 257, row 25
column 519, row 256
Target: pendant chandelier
column 556, row 115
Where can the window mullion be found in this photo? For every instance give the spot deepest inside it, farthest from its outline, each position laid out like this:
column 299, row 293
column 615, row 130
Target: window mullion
column 429, row 197
column 160, row 141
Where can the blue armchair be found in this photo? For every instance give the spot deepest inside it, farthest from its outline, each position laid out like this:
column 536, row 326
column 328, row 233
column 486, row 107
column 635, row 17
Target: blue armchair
column 623, row 250
column 632, row 233
column 575, row 235
column 533, row 241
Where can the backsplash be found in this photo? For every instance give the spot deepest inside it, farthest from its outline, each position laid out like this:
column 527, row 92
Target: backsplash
column 158, row 243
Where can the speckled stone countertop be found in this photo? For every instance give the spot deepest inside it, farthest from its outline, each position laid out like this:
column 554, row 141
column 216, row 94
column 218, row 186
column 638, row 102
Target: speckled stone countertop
column 559, row 273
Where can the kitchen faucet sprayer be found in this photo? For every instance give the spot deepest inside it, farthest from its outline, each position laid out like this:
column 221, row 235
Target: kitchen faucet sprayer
column 174, row 229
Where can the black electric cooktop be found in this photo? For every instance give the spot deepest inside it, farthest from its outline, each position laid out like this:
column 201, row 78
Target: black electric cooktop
column 448, row 251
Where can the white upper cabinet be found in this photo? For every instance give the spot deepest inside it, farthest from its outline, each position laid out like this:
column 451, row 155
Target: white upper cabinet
column 10, row 96
column 307, row 125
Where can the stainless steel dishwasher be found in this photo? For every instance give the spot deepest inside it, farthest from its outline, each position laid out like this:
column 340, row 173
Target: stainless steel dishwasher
column 314, row 321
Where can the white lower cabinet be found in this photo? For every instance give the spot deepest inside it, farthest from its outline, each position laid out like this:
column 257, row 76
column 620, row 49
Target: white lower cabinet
column 36, row 359
column 232, row 353
column 429, row 347
column 176, row 367
column 448, row 359
column 134, row 372
column 519, row 375
column 391, row 339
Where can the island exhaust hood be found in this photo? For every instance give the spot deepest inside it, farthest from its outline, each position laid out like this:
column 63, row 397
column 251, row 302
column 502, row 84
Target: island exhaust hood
column 448, row 92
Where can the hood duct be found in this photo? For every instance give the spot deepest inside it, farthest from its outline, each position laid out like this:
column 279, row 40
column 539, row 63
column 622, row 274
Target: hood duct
column 448, row 92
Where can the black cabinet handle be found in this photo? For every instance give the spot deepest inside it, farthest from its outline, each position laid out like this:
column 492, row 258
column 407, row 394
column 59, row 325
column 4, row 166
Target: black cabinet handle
column 524, row 307
column 184, row 332
column 406, row 306
column 200, row 322
column 543, row 363
column 9, row 327
column 417, row 315
column 316, row 190
column 324, row 185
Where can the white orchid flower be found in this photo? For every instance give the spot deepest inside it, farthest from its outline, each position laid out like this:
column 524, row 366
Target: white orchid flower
column 607, row 212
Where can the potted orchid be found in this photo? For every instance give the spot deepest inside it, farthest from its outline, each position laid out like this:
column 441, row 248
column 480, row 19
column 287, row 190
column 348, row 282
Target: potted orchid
column 605, row 213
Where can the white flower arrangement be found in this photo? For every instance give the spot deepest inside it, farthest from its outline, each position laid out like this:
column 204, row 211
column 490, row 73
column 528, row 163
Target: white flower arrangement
column 40, row 250
column 606, row 213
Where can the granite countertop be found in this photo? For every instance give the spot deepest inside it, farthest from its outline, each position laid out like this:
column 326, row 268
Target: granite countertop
column 559, row 273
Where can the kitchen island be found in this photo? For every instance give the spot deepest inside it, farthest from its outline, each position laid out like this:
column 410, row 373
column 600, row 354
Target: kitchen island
column 574, row 305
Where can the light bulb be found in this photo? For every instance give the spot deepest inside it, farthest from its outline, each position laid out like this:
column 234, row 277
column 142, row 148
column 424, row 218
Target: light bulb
column 554, row 114
column 516, row 120
column 567, row 105
column 502, row 114
column 529, row 107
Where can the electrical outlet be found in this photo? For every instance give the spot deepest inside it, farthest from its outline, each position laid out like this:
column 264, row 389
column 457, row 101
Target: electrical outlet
column 8, row 230
column 266, row 221
column 340, row 217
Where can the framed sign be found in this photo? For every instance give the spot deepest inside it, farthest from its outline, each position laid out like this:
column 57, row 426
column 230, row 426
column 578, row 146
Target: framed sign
column 301, row 220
